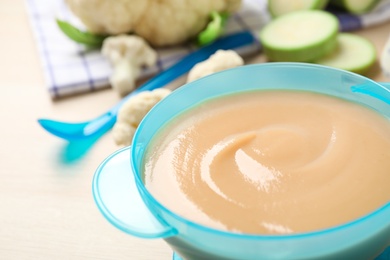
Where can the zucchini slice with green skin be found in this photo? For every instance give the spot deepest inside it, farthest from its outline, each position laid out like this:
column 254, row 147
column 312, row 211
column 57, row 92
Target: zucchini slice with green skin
column 355, row 6
column 281, row 7
column 301, row 36
column 353, row 53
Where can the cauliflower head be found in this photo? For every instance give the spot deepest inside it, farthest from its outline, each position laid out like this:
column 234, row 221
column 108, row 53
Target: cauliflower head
column 160, row 22
column 133, row 111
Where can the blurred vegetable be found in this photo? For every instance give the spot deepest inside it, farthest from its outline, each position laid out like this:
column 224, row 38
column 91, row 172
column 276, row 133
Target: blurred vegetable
column 355, row 6
column 301, row 36
column 160, row 23
column 353, row 53
column 385, row 59
column 133, row 111
column 313, row 36
column 213, row 29
column 280, row 7
column 127, row 54
column 220, row 60
column 83, row 37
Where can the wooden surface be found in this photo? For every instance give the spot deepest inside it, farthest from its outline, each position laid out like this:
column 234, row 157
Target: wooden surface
column 46, row 205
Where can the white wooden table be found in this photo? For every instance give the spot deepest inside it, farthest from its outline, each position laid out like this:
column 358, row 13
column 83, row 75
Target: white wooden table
column 46, row 205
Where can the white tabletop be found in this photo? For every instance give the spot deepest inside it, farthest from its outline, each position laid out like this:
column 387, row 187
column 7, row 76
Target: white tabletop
column 47, row 209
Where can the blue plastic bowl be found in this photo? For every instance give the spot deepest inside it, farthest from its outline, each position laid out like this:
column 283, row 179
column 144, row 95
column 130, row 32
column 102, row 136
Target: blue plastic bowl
column 122, row 198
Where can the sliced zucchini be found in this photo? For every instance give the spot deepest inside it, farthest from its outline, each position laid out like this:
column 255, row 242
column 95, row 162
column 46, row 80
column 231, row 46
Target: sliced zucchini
column 301, row 36
column 280, row 7
column 355, row 6
column 353, row 53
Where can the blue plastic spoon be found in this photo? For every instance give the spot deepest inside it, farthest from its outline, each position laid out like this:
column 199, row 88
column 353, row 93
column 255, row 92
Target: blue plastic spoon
column 104, row 122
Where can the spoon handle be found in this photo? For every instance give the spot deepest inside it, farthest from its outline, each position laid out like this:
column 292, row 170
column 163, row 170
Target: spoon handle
column 184, row 65
column 233, row 41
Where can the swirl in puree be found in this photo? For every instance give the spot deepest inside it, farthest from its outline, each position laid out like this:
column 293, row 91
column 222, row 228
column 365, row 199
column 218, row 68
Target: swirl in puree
column 272, row 162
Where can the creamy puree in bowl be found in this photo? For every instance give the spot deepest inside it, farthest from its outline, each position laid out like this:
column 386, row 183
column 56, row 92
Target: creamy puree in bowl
column 272, row 162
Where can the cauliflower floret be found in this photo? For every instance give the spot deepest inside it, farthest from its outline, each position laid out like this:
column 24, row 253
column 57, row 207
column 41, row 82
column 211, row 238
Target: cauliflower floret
column 160, row 22
column 127, row 54
column 221, row 60
column 132, row 112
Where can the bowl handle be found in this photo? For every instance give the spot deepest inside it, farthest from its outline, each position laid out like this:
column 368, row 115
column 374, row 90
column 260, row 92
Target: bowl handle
column 374, row 91
column 118, row 199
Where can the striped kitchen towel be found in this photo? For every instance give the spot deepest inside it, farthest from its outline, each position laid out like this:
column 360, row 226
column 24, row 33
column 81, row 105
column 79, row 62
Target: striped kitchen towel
column 71, row 69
